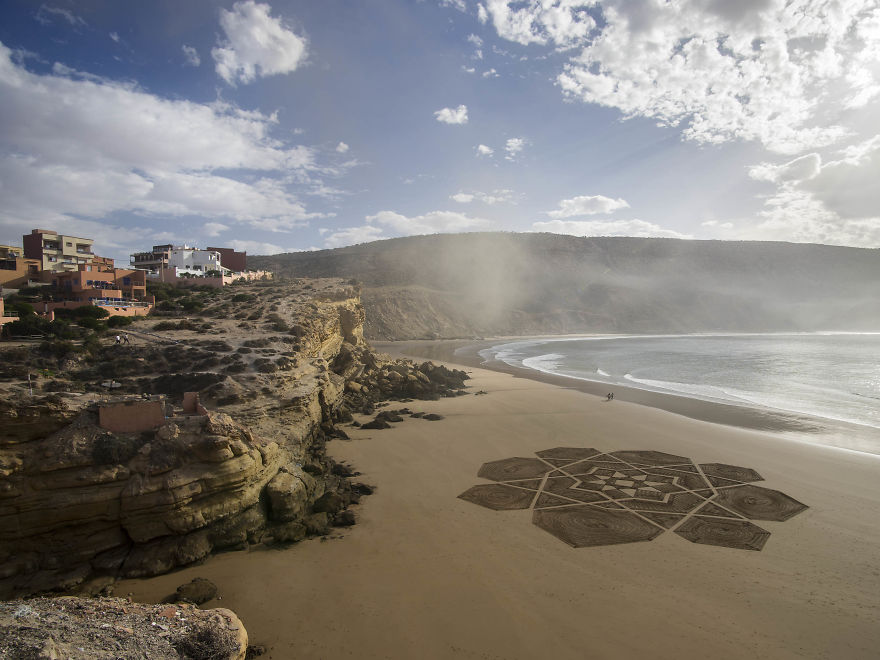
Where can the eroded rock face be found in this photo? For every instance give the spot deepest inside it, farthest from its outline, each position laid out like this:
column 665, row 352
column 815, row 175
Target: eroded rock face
column 244, row 466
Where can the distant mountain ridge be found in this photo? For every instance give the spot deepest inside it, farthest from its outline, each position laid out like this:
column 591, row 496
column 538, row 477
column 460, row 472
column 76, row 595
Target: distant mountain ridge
column 481, row 284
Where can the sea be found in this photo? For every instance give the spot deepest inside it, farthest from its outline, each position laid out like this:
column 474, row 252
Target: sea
column 833, row 377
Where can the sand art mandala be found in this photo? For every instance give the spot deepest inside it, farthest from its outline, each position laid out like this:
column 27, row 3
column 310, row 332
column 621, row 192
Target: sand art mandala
column 587, row 498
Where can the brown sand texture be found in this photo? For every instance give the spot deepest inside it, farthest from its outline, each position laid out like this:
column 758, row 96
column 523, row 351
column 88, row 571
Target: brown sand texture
column 427, row 574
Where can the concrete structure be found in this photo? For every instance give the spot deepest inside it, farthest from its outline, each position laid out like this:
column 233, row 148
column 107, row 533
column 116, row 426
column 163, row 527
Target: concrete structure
column 57, row 252
column 180, row 259
column 194, row 261
column 132, row 415
column 234, row 261
column 104, row 264
column 174, row 263
column 154, row 260
column 168, row 275
column 192, row 405
column 3, row 317
column 11, row 252
column 16, row 272
column 121, row 292
column 91, row 284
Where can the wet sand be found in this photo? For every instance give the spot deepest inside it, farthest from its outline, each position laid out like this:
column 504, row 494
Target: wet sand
column 425, row 574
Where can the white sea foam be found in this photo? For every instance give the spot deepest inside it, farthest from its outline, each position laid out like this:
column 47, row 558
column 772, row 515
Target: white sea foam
column 548, row 363
column 828, row 375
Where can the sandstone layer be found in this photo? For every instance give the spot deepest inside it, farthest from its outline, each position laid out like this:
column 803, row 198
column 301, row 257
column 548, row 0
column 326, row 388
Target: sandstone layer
column 247, row 392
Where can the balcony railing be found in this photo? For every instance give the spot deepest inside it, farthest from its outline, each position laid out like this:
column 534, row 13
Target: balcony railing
column 119, row 303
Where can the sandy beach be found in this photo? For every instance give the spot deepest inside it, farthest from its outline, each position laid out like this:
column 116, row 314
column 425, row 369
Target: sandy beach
column 425, row 574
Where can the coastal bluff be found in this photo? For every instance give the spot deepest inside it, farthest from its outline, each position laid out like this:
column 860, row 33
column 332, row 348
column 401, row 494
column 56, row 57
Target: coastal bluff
column 205, row 433
column 500, row 284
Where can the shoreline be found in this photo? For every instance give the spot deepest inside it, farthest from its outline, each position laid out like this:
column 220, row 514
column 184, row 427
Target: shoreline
column 821, row 431
column 427, row 574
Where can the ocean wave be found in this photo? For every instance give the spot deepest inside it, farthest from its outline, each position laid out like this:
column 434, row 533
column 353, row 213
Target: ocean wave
column 548, row 363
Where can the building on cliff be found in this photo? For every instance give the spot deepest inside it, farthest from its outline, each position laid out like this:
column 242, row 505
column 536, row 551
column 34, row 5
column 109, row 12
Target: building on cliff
column 118, row 291
column 15, row 269
column 179, row 264
column 57, row 252
column 73, row 275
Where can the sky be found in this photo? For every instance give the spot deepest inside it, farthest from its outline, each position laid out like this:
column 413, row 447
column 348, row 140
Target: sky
column 301, row 124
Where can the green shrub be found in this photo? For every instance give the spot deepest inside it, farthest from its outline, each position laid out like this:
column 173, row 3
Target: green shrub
column 58, row 348
column 22, row 309
column 119, row 321
column 92, row 323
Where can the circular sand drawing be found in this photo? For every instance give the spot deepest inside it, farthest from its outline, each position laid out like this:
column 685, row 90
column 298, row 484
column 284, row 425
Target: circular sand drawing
column 585, row 497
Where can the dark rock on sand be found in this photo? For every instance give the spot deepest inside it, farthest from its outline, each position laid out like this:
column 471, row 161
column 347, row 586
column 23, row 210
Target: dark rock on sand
column 198, row 591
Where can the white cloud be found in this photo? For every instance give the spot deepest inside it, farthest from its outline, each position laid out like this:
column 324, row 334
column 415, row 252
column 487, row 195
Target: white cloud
column 849, row 185
column 475, row 40
column 435, row 222
column 341, row 147
column 564, row 23
column 499, row 196
column 805, row 167
column 256, row 44
column 353, row 236
column 834, row 202
column 450, row 116
column 482, row 14
column 716, row 224
column 483, row 150
column 587, row 205
column 114, row 36
column 75, row 145
column 214, row 228
column 638, row 228
column 491, row 73
column 191, row 55
column 460, row 5
column 468, row 69
column 46, row 15
column 779, row 72
column 256, row 247
column 513, row 147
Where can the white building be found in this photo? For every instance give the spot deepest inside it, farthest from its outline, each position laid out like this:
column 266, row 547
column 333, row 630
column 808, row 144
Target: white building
column 184, row 259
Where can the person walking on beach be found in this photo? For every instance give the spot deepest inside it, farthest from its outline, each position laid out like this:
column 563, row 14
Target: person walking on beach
column 118, row 340
column 125, row 339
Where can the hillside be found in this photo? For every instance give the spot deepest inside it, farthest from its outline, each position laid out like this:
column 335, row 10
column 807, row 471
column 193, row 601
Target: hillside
column 464, row 285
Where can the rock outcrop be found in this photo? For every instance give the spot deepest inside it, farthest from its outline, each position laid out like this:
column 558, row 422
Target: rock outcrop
column 111, row 628
column 206, row 444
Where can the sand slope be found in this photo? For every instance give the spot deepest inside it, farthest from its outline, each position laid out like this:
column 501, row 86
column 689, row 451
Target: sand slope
column 427, row 575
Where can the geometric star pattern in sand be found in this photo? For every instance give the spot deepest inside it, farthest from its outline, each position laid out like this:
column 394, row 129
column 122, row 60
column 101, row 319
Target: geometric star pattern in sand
column 585, row 497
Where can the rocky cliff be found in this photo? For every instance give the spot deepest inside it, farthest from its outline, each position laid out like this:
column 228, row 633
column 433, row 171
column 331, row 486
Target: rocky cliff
column 205, row 432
